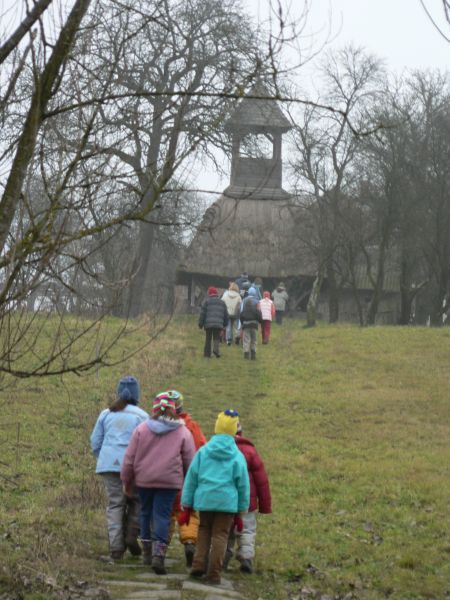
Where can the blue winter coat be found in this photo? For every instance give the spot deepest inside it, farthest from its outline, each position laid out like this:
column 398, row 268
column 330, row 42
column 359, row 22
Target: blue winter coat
column 217, row 479
column 111, row 435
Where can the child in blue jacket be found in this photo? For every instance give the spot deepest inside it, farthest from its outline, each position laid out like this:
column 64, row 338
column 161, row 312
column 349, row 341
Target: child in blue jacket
column 217, row 486
column 109, row 441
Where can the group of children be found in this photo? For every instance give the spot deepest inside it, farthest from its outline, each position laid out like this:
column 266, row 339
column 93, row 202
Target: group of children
column 240, row 311
column 159, row 468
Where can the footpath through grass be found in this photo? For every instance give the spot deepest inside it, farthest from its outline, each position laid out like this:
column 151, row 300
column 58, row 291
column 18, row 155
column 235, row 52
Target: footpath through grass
column 353, row 426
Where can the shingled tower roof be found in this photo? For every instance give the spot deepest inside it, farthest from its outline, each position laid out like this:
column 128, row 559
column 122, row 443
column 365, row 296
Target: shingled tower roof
column 257, row 110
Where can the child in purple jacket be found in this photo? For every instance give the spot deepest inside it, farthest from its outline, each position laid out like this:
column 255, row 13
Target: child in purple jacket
column 157, row 458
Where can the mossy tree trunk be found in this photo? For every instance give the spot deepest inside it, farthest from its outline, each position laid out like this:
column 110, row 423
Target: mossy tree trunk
column 311, row 308
column 44, row 89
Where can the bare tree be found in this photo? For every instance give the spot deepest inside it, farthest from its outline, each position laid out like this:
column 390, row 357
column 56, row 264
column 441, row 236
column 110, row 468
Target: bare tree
column 118, row 97
column 175, row 74
column 326, row 147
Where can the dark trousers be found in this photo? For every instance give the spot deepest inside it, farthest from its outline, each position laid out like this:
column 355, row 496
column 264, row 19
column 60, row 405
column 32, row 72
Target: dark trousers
column 265, row 331
column 212, row 542
column 156, row 509
column 279, row 316
column 212, row 334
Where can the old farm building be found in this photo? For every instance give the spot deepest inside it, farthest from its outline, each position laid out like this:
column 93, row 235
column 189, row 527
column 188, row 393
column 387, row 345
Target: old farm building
column 256, row 226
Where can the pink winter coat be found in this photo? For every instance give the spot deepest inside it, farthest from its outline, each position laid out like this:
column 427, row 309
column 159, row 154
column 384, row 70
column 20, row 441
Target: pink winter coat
column 159, row 455
column 267, row 309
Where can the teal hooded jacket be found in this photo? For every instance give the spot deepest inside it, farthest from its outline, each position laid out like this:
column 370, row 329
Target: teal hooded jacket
column 217, row 479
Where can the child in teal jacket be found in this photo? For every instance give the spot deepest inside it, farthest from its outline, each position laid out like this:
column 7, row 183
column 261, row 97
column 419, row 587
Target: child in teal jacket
column 217, row 486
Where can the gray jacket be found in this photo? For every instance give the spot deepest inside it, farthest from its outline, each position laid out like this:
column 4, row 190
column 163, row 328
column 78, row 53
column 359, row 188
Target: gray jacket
column 280, row 299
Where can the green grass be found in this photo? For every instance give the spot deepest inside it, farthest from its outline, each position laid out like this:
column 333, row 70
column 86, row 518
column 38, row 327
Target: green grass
column 353, row 425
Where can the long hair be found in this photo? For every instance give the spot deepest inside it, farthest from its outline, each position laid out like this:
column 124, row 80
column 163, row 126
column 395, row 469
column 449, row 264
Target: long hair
column 234, row 286
column 117, row 404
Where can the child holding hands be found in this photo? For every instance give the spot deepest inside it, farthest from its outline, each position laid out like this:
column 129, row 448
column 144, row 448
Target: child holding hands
column 217, row 486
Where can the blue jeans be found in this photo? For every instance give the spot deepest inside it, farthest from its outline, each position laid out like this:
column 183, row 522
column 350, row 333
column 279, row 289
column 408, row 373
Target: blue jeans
column 156, row 509
column 232, row 328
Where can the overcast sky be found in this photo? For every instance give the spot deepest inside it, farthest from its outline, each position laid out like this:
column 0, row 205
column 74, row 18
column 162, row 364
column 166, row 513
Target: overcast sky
column 399, row 31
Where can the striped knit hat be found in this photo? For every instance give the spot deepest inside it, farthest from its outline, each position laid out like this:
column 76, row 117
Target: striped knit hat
column 165, row 404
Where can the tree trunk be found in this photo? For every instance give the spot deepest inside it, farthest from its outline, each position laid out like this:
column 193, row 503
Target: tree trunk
column 41, row 96
column 406, row 297
column 376, row 297
column 138, row 290
column 311, row 308
column 439, row 305
column 333, row 294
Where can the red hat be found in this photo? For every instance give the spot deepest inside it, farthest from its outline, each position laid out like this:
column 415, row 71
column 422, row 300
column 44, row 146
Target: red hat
column 212, row 291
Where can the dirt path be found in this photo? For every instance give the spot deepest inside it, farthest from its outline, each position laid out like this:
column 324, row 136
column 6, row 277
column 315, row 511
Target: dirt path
column 131, row 580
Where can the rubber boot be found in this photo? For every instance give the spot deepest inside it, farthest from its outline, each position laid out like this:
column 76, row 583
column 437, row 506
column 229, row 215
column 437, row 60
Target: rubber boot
column 159, row 550
column 189, row 551
column 147, row 553
column 247, row 355
column 133, row 546
column 246, row 565
column 253, row 355
column 226, row 560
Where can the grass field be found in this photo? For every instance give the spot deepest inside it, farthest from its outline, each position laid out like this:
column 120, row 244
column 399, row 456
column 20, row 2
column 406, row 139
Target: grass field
column 353, row 425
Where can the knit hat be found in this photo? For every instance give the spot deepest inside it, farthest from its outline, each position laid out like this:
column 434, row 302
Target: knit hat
column 178, row 398
column 253, row 292
column 266, row 294
column 163, row 403
column 212, row 291
column 227, row 422
column 128, row 390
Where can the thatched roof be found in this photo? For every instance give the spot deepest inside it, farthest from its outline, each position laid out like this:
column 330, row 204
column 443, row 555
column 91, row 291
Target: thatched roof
column 258, row 112
column 259, row 237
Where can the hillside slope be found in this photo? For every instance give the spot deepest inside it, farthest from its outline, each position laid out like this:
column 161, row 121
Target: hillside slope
column 353, row 425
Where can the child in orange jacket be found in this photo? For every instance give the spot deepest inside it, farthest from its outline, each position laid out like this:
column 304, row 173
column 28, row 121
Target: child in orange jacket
column 188, row 533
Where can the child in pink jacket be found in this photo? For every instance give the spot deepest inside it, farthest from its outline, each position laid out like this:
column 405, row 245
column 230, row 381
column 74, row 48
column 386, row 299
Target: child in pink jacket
column 268, row 312
column 157, row 458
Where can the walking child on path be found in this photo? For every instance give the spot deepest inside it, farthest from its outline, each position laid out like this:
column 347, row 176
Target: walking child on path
column 250, row 318
column 109, row 441
column 213, row 318
column 280, row 299
column 232, row 299
column 158, row 456
column 217, row 485
column 260, row 501
column 267, row 308
column 188, row 533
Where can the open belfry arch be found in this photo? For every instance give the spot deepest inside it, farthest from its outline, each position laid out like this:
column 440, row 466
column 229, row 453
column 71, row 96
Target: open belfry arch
column 253, row 226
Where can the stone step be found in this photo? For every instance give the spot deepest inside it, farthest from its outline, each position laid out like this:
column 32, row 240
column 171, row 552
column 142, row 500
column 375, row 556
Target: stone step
column 169, row 577
column 217, row 596
column 154, row 595
column 134, row 584
column 224, row 590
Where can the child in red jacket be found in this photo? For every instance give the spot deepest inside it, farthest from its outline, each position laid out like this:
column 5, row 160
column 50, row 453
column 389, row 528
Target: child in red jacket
column 260, row 500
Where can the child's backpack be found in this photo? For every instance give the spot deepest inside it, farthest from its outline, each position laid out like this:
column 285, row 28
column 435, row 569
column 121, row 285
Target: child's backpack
column 249, row 310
